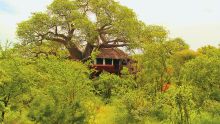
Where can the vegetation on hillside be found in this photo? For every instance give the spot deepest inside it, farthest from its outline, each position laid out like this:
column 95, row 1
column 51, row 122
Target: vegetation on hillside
column 40, row 84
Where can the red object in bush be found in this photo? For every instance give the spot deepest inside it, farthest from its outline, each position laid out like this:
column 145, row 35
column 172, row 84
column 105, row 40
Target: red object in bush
column 165, row 87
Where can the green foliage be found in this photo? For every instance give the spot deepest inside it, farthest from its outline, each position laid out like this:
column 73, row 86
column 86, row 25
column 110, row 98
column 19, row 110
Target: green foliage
column 96, row 23
column 203, row 71
column 206, row 118
column 64, row 88
column 55, row 90
column 38, row 84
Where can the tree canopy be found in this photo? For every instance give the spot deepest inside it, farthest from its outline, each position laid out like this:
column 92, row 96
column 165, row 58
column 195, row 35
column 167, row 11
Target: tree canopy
column 83, row 25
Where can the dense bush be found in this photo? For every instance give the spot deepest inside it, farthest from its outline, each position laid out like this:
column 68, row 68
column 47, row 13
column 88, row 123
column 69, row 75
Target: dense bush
column 41, row 84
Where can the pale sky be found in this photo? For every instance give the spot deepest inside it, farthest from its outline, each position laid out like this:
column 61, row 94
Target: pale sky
column 196, row 21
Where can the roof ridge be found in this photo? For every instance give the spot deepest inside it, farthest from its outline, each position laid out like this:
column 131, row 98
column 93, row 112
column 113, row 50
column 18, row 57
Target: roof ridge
column 114, row 53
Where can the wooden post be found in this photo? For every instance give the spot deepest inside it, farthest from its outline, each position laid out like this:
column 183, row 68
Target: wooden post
column 104, row 61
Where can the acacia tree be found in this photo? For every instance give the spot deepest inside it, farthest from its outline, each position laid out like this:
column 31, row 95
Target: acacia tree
column 82, row 26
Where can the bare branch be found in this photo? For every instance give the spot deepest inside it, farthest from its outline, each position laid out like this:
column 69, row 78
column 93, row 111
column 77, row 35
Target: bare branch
column 56, row 39
column 70, row 34
column 118, row 40
column 103, row 38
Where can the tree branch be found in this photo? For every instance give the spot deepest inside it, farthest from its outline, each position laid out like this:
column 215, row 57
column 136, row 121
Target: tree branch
column 60, row 38
column 57, row 34
column 103, row 38
column 70, row 34
column 56, row 39
column 118, row 40
column 106, row 26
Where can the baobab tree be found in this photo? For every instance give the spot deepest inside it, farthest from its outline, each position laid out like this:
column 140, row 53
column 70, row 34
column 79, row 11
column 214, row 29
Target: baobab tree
column 82, row 26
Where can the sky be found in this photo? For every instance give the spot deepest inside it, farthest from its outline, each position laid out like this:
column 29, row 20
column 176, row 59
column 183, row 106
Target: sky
column 196, row 21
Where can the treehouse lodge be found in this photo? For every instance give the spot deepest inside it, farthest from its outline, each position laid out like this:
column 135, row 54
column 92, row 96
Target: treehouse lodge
column 111, row 60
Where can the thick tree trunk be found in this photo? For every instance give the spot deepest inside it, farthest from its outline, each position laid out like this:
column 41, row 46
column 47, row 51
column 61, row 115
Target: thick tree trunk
column 74, row 52
column 88, row 51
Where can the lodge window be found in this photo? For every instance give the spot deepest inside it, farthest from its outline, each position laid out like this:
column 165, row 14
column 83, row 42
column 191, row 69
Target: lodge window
column 108, row 61
column 99, row 61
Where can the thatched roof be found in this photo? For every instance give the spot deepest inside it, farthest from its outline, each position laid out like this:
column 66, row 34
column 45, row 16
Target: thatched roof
column 112, row 53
